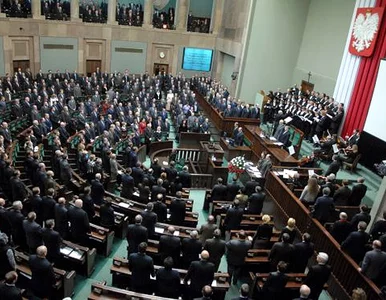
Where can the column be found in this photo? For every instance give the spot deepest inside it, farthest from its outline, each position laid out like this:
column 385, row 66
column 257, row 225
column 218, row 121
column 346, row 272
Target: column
column 183, row 10
column 217, row 16
column 74, row 5
column 112, row 9
column 148, row 14
column 36, row 9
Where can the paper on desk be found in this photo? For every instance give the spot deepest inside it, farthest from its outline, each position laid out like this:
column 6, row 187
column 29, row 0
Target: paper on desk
column 311, row 172
column 214, row 283
column 76, row 254
column 272, row 138
column 159, row 230
column 168, row 216
column 136, row 194
column 291, row 150
column 124, row 204
column 278, row 144
column 65, row 250
column 316, row 139
column 335, row 148
column 165, row 163
column 176, row 233
column 287, row 120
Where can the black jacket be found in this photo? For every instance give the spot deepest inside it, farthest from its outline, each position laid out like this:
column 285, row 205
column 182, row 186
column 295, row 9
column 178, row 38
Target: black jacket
column 237, row 251
column 191, row 250
column 200, row 273
column 107, row 217
column 302, row 253
column 274, row 286
column 219, row 192
column 149, row 219
column 355, row 245
column 136, row 234
column 61, row 219
column 48, row 208
column 52, row 241
column 161, row 210
column 317, row 276
column 340, row 230
column 233, row 218
column 177, row 211
column 168, row 283
column 256, row 202
column 33, row 233
column 97, row 191
column 80, row 225
column 141, row 267
column 357, row 193
column 281, row 252
column 9, row 292
column 232, row 190
column 43, row 277
column 216, row 249
column 170, row 246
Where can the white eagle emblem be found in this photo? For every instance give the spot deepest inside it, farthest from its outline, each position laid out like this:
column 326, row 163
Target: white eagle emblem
column 364, row 30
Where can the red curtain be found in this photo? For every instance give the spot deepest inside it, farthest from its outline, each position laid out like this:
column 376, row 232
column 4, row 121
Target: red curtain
column 365, row 82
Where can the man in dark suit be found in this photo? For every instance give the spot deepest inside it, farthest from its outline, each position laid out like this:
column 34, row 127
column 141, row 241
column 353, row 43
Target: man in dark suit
column 177, row 210
column 341, row 228
column 170, row 245
column 239, row 138
column 304, row 293
column 342, row 195
column 379, row 227
column 48, row 205
column 168, row 280
column 237, row 250
column 136, row 234
column 127, row 184
column 8, row 289
column 185, row 179
column 318, row 275
column 233, row 217
column 16, row 218
column 33, row 232
column 334, row 167
column 107, row 216
column 160, row 209
column 149, row 219
column 256, row 201
column 191, row 248
column 374, row 261
column 282, row 251
column 52, row 241
column 61, row 217
column 244, row 292
column 43, row 277
column 18, row 188
column 356, row 242
column 323, row 207
column 5, row 224
column 273, row 288
column 284, row 137
column 232, row 190
column 80, row 225
column 206, row 292
column 303, row 251
column 158, row 189
column 357, row 193
column 216, row 247
column 363, row 215
column 88, row 203
column 219, row 192
column 200, row 273
column 97, row 190
column 141, row 267
column 250, row 186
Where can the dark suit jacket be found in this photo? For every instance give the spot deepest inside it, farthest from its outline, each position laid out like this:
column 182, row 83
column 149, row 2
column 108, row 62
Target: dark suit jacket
column 43, row 276
column 48, row 208
column 168, row 283
column 185, row 179
column 107, row 217
column 200, row 273
column 256, row 202
column 323, row 208
column 250, row 187
column 161, row 210
column 342, row 195
column 33, row 233
column 355, row 245
column 237, row 251
column 365, row 217
column 340, row 230
column 373, row 262
column 136, row 234
column 155, row 190
column 357, row 193
column 88, row 206
column 61, row 219
column 149, row 219
column 232, row 190
column 284, row 138
column 170, row 246
column 216, row 248
column 233, row 218
column 302, row 253
column 191, row 249
column 141, row 267
column 9, row 292
column 97, row 192
column 281, row 252
column 317, row 276
column 16, row 219
column 274, row 286
column 177, row 211
column 219, row 192
column 52, row 241
column 378, row 229
column 333, row 168
column 79, row 223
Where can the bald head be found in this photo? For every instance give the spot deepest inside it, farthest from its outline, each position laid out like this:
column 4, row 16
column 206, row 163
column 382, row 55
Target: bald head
column 205, row 255
column 305, row 291
column 211, row 219
column 377, row 244
column 41, row 251
column 79, row 203
column 171, row 229
column 2, row 202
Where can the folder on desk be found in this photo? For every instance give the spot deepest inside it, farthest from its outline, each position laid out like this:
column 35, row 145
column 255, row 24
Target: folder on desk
column 66, row 250
column 76, row 254
column 335, row 148
column 159, row 230
column 176, row 233
column 124, row 204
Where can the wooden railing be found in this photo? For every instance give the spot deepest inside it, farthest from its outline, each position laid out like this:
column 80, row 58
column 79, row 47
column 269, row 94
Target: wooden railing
column 344, row 268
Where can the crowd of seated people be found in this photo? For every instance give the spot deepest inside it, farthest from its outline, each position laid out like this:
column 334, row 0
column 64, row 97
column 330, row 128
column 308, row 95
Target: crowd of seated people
column 197, row 24
column 16, row 8
column 131, row 15
column 219, row 97
column 164, row 19
column 93, row 13
column 53, row 10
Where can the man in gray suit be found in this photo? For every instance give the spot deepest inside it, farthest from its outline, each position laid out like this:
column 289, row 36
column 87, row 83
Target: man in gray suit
column 207, row 230
column 373, row 261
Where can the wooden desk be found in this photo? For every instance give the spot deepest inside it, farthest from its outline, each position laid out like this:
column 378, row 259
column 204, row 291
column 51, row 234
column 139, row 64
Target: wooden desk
column 65, row 281
column 260, row 144
column 156, row 146
column 121, row 278
column 192, row 139
column 82, row 259
column 232, row 152
column 101, row 291
column 248, row 221
column 102, row 239
column 120, row 222
column 212, row 151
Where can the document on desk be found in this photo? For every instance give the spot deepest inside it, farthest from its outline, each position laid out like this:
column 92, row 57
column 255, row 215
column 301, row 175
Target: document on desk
column 311, row 172
column 159, row 230
column 66, row 250
column 136, row 194
column 291, row 150
column 335, row 148
column 165, row 163
column 76, row 254
column 214, row 283
column 287, row 120
column 272, row 138
column 124, row 204
column 278, row 144
column 176, row 233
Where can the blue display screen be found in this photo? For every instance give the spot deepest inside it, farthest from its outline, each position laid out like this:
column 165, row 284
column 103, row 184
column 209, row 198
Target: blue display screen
column 197, row 59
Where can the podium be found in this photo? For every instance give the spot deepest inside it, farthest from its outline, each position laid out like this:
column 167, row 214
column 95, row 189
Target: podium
column 307, row 86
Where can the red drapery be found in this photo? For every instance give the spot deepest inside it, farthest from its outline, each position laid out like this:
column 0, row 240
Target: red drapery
column 365, row 82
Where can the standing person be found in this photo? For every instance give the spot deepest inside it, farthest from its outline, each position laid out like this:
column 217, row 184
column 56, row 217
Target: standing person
column 341, row 228
column 355, row 244
column 61, row 217
column 168, row 280
column 80, row 225
column 52, row 240
column 149, row 219
column 318, row 275
column 136, row 234
column 33, row 232
column 8, row 289
column 43, row 277
column 216, row 247
column 323, row 207
column 191, row 248
column 373, row 262
column 107, row 216
column 304, row 292
column 177, row 210
column 200, row 273
column 263, row 234
column 7, row 256
column 207, row 230
column 256, row 201
column 310, row 192
column 274, row 286
column 302, row 253
column 233, row 218
column 237, row 250
column 357, row 193
column 141, row 267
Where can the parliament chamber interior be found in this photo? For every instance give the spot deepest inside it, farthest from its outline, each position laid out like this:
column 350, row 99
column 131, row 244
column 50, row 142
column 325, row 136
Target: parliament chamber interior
column 192, row 149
